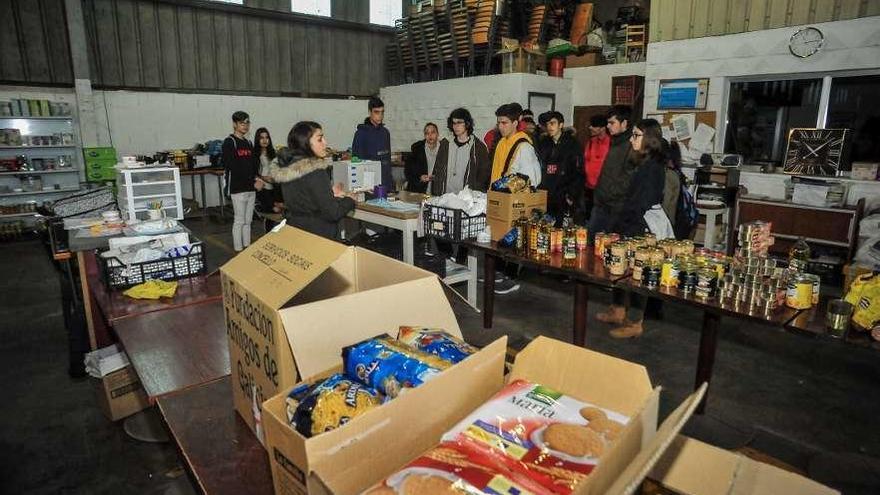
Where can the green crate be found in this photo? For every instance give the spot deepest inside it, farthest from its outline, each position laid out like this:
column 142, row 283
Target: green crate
column 104, row 154
column 100, row 170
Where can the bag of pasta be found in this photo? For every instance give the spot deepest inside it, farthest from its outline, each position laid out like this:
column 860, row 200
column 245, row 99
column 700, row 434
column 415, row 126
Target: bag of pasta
column 328, row 404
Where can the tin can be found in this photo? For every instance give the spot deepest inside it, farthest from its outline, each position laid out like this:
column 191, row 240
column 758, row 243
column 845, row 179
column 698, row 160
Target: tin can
column 581, row 236
column 817, row 284
column 599, row 244
column 707, row 279
column 651, row 275
column 555, row 240
column 617, row 258
column 687, row 278
column 799, row 294
column 656, row 255
column 641, row 258
column 650, row 239
column 669, row 273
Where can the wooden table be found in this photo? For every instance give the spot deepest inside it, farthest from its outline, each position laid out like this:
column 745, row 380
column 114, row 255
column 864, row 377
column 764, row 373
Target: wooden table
column 586, row 270
column 220, row 452
column 176, row 349
column 713, row 310
column 811, row 322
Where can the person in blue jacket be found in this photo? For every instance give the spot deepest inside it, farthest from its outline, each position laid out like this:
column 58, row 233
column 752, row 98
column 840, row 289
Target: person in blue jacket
column 372, row 141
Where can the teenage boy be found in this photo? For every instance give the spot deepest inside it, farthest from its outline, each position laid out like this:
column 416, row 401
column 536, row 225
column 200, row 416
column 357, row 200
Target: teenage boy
column 562, row 171
column 372, row 141
column 514, row 152
column 242, row 178
column 617, row 171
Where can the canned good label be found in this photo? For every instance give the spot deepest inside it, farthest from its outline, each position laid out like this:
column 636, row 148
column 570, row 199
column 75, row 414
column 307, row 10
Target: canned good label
column 799, row 294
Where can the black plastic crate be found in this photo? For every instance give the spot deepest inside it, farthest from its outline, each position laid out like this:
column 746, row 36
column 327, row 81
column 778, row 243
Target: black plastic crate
column 451, row 224
column 118, row 275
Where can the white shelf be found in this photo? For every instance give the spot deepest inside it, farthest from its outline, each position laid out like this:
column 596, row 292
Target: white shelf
column 41, row 172
column 31, row 193
column 54, row 117
column 150, row 196
column 41, row 147
column 158, row 183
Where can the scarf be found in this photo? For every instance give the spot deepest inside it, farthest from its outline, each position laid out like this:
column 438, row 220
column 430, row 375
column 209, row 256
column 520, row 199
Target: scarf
column 504, row 148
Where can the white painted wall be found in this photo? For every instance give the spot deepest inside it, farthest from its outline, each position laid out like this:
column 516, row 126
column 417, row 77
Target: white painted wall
column 849, row 45
column 592, row 85
column 409, row 107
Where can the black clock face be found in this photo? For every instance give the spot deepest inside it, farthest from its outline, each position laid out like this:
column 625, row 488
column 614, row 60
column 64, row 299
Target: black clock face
column 814, row 151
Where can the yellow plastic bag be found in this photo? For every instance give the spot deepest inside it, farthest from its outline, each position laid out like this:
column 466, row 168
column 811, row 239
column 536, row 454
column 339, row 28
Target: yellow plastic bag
column 864, row 295
column 152, row 289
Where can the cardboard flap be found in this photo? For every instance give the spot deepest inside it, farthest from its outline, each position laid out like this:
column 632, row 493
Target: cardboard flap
column 692, row 467
column 318, row 331
column 375, row 270
column 346, row 459
column 280, row 264
column 638, row 468
column 587, row 375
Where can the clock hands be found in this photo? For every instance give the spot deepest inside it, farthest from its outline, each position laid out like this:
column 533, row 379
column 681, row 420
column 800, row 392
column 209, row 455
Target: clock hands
column 815, row 151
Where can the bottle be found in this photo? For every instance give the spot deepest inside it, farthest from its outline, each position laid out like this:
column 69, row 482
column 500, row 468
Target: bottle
column 543, row 242
column 799, row 255
column 569, row 245
column 521, row 225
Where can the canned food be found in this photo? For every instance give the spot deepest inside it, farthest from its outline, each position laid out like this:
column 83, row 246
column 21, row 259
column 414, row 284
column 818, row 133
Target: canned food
column 599, row 244
column 817, row 283
column 687, row 278
column 641, row 258
column 617, row 258
column 707, row 279
column 650, row 240
column 651, row 275
column 581, row 238
column 669, row 273
column 799, row 294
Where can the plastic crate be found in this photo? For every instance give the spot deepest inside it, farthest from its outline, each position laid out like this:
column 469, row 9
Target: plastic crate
column 118, row 275
column 451, row 224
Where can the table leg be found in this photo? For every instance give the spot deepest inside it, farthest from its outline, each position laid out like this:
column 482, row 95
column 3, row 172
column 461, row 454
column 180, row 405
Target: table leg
column 408, row 247
column 204, row 196
column 706, row 358
column 220, row 195
column 579, row 331
column 488, row 289
column 709, row 236
column 472, row 280
column 87, row 299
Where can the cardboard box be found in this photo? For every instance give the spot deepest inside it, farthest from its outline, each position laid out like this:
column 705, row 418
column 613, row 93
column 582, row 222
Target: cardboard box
column 691, row 467
column 521, row 59
column 502, row 209
column 371, row 447
column 120, row 394
column 292, row 288
column 865, row 171
column 585, row 60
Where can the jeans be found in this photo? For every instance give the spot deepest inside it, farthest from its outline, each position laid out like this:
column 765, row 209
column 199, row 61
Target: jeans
column 243, row 206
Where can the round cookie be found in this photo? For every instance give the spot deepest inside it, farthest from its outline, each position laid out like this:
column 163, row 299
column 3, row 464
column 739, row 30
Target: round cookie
column 426, row 485
column 608, row 427
column 574, row 440
column 591, row 413
column 381, row 490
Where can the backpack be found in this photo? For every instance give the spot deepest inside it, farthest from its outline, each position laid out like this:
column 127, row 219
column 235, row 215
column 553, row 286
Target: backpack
column 686, row 213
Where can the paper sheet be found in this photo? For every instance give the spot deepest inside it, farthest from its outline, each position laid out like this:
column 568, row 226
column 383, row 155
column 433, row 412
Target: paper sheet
column 702, row 137
column 668, row 133
column 683, row 124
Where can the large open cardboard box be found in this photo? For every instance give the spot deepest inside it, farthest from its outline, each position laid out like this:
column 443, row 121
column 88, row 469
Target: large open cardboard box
column 502, row 209
column 691, row 467
column 292, row 288
column 350, row 459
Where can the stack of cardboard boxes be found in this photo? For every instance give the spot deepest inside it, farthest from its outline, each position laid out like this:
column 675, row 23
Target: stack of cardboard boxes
column 294, row 300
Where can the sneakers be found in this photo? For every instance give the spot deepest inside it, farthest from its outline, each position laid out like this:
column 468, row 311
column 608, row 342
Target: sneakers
column 616, row 315
column 498, row 279
column 506, row 287
column 628, row 331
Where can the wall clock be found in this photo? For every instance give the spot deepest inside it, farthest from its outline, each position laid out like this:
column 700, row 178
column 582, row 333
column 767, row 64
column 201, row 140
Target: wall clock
column 817, row 151
column 806, row 42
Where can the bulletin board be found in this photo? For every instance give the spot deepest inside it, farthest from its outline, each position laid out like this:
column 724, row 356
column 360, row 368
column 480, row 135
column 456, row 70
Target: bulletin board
column 707, row 119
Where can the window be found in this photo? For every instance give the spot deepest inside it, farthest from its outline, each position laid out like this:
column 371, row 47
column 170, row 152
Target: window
column 853, row 105
column 311, row 7
column 760, row 113
column 385, row 12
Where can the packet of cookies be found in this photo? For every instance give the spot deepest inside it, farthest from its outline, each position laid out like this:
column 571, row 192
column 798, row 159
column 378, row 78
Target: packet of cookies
column 550, row 437
column 328, row 404
column 437, row 342
column 452, row 468
column 389, row 366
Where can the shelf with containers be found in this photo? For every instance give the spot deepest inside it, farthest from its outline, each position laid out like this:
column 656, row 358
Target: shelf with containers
column 40, row 159
column 138, row 188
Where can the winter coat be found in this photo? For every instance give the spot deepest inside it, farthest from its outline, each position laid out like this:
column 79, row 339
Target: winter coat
column 416, row 166
column 561, row 172
column 478, row 170
column 594, row 157
column 645, row 190
column 617, row 172
column 373, row 142
column 306, row 185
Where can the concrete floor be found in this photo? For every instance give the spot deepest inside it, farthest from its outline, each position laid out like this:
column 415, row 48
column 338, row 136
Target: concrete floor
column 812, row 405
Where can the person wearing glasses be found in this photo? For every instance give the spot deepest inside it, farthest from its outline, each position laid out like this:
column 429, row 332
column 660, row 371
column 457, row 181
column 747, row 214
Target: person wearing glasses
column 643, row 210
column 463, row 161
column 242, row 179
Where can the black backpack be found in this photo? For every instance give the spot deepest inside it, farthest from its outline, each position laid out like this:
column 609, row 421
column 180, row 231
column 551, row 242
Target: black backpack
column 686, row 214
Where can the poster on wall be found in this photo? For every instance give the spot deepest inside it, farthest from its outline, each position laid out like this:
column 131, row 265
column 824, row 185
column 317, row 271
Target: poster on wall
column 688, row 94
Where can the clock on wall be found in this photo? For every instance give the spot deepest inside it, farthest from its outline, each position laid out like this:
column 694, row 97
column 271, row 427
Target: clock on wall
column 805, row 42
column 817, row 151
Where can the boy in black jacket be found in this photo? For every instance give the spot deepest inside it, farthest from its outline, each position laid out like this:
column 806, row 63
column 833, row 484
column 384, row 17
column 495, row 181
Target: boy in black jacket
column 242, row 182
column 562, row 173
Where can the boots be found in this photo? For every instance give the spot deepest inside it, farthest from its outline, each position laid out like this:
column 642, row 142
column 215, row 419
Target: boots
column 629, row 330
column 615, row 315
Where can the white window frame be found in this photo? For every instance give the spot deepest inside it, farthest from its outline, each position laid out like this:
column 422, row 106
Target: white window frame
column 316, row 12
